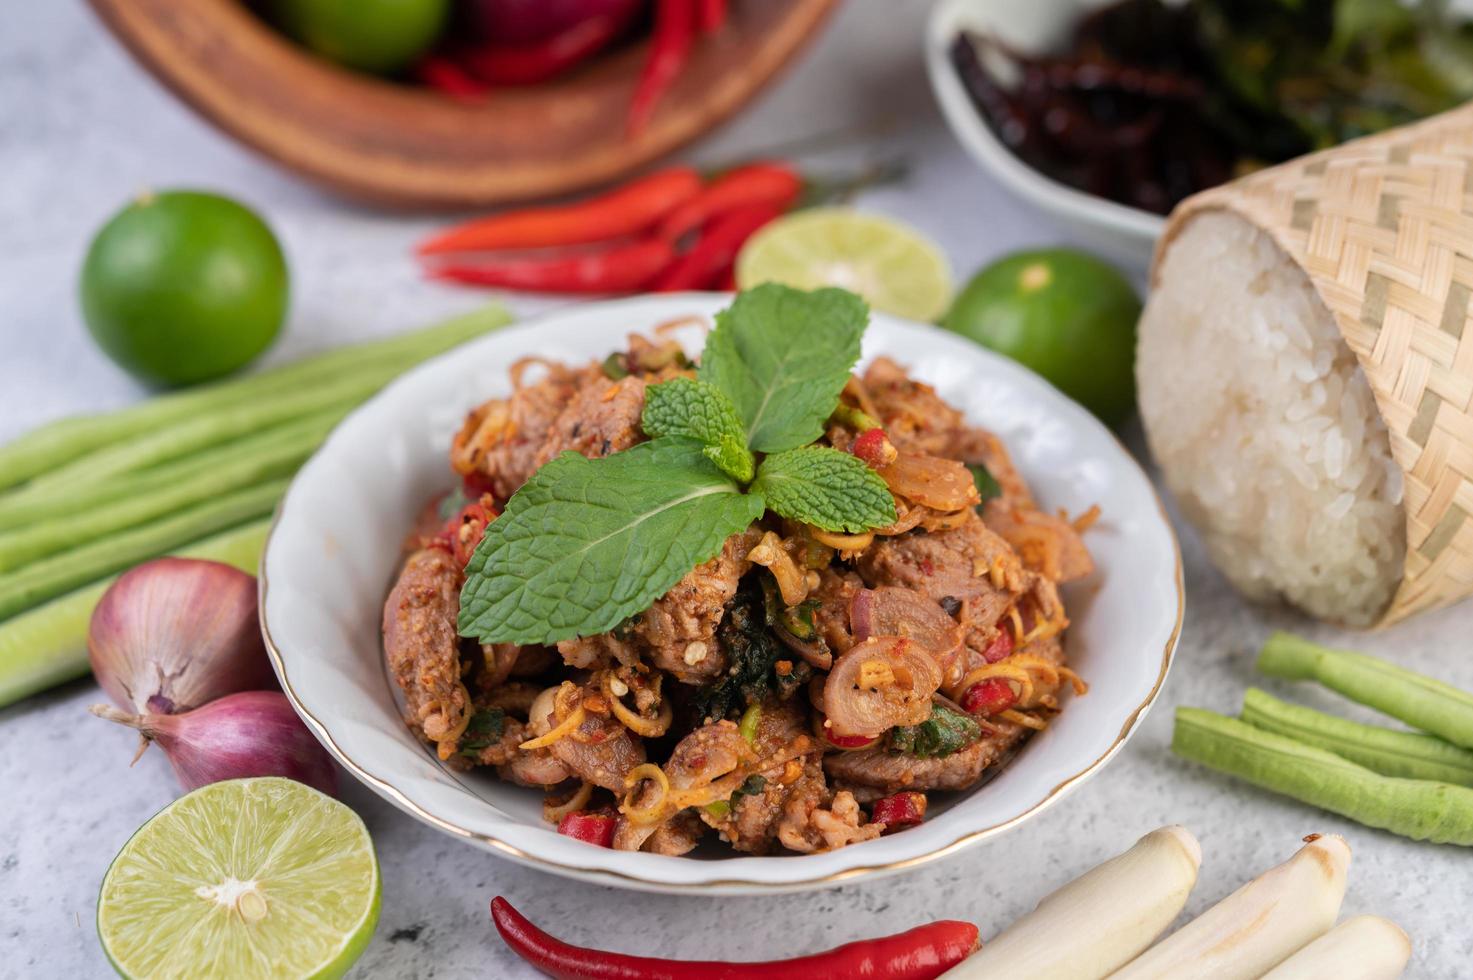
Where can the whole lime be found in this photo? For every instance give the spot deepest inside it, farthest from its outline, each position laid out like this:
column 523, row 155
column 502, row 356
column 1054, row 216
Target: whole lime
column 184, row 286
column 1065, row 314
column 371, row 35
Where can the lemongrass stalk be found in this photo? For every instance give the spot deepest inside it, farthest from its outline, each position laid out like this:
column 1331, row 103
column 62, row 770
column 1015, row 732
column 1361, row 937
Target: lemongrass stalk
column 1423, row 702
column 1408, row 755
column 1363, row 947
column 1417, row 808
column 72, row 569
column 1258, row 926
column 48, row 645
column 51, row 446
column 241, row 465
column 1099, row 921
column 236, row 461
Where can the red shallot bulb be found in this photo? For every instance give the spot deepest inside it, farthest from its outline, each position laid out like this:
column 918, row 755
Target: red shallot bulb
column 253, row 733
column 175, row 633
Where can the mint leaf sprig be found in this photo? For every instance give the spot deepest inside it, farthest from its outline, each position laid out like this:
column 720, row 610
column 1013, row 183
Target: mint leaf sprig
column 586, row 543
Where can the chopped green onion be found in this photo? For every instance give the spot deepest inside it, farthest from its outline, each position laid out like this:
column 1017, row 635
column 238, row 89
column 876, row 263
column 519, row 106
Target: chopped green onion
column 751, row 718
column 718, row 809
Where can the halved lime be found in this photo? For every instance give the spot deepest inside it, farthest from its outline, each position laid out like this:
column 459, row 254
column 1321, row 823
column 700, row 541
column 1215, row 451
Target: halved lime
column 246, row 878
column 890, row 264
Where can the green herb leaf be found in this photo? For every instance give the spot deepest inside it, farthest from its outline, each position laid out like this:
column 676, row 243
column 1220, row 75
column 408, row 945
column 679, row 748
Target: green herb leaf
column 783, row 355
column 826, row 488
column 687, row 407
column 482, row 731
column 945, row 732
column 586, row 543
column 986, row 484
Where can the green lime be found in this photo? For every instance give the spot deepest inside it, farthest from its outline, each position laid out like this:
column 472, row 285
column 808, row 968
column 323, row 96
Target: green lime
column 371, row 35
column 889, row 264
column 248, row 878
column 1065, row 314
column 184, row 286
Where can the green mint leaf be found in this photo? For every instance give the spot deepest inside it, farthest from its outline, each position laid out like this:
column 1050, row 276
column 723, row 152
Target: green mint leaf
column 687, row 407
column 937, row 737
column 986, row 484
column 483, row 731
column 586, row 543
column 783, row 355
column 826, row 488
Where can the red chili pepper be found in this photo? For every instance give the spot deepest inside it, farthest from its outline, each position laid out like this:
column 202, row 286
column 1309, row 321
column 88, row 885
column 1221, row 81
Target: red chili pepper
column 463, row 532
column 848, row 741
column 1002, row 645
column 900, row 810
column 626, row 210
column 990, row 697
column 771, row 183
column 716, row 249
column 922, row 953
column 624, row 268
column 712, row 15
column 500, row 64
column 591, row 828
column 873, row 446
column 728, row 280
column 440, row 72
column 675, row 27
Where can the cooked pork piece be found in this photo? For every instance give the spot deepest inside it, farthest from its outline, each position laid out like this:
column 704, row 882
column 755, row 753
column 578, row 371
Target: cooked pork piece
column 1047, row 544
column 890, row 772
column 422, row 649
column 499, row 443
column 678, row 633
column 600, row 751
column 967, row 563
column 808, row 825
column 676, row 836
column 601, row 418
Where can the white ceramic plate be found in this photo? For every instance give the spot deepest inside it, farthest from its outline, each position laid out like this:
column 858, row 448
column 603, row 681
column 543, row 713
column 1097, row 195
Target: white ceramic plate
column 335, row 548
column 1126, row 234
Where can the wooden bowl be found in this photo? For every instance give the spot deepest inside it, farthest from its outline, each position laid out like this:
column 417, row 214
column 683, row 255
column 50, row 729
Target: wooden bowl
column 401, row 145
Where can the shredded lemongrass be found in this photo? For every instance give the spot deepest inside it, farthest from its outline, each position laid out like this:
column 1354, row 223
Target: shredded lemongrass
column 999, row 577
column 1005, row 669
column 1026, row 720
column 520, row 365
column 639, row 724
column 652, row 812
column 1075, row 681
column 445, row 747
column 552, row 813
column 770, row 554
column 680, row 323
column 847, row 543
column 1017, row 619
column 1086, row 520
column 561, row 730
column 937, row 521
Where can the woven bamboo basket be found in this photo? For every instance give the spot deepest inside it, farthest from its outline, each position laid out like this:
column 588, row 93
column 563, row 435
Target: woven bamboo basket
column 1383, row 226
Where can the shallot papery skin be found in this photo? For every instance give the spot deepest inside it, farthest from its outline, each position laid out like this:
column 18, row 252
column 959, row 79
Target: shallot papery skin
column 175, row 633
column 253, row 733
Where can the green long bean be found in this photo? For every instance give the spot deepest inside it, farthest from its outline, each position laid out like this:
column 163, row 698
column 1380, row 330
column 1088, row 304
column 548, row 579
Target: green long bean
column 48, row 645
column 50, row 447
column 1422, row 702
column 21, row 510
column 1416, row 808
column 118, row 510
column 73, row 569
column 1408, row 755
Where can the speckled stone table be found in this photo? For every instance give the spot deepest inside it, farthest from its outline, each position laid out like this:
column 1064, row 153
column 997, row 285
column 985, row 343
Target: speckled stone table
column 81, row 129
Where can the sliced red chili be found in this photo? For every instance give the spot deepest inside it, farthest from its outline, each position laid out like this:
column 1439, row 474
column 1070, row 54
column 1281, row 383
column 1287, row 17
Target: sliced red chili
column 848, row 741
column 900, row 810
column 591, row 828
column 1002, row 644
column 626, row 210
column 675, row 27
column 623, row 268
column 711, row 14
column 463, row 532
column 446, row 75
column 764, row 182
column 500, row 64
column 922, row 953
column 873, row 446
column 990, row 697
column 715, row 250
